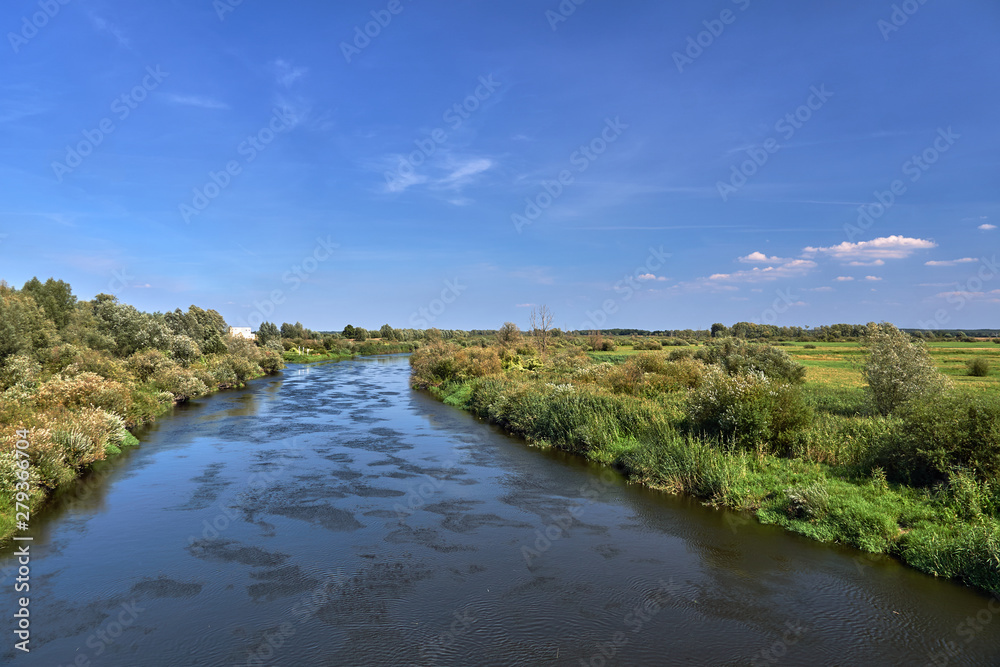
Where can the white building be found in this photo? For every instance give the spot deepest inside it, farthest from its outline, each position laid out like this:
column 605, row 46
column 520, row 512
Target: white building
column 241, row 332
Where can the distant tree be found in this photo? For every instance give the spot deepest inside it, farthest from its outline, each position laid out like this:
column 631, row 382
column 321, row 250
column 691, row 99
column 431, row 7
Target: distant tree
column 719, row 330
column 266, row 332
column 541, row 325
column 509, row 335
column 432, row 334
column 387, row 332
column 360, row 333
column 898, row 368
column 349, row 331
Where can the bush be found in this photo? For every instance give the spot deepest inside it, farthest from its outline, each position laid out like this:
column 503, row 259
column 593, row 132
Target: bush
column 898, row 368
column 749, row 410
column 978, row 367
column 937, row 437
column 810, row 346
column 738, row 357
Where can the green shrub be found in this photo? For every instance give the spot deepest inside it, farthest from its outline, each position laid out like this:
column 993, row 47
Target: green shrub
column 898, row 368
column 749, row 410
column 978, row 367
column 934, row 438
column 738, row 357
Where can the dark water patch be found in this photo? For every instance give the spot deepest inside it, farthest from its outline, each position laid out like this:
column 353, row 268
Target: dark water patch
column 427, row 537
column 229, row 551
column 166, row 588
column 279, row 583
column 365, row 599
column 327, row 516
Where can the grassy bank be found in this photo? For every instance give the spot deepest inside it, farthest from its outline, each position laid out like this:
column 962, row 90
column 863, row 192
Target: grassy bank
column 810, row 455
column 77, row 377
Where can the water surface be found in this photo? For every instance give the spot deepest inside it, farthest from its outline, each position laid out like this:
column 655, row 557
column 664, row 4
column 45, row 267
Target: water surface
column 332, row 516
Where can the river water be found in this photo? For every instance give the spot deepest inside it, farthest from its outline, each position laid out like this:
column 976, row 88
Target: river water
column 332, row 516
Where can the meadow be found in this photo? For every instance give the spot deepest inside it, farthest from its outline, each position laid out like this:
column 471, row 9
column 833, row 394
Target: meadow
column 785, row 432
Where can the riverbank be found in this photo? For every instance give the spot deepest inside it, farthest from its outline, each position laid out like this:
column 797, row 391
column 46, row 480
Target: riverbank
column 822, row 474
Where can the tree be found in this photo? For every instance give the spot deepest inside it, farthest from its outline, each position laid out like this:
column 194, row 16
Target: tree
column 387, row 332
column 719, row 330
column 360, row 333
column 349, row 331
column 541, row 325
column 898, row 368
column 266, row 332
column 509, row 335
column 54, row 297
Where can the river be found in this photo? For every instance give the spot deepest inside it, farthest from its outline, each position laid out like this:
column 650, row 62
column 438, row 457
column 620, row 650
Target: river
column 330, row 515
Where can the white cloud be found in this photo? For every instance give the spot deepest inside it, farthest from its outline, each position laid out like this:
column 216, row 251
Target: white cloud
column 877, row 262
column 872, row 278
column 987, row 227
column 950, row 262
column 791, row 268
column 197, row 101
column 286, row 74
column 650, row 276
column 886, row 247
column 463, row 172
column 824, row 288
column 843, row 279
column 759, row 257
column 110, row 28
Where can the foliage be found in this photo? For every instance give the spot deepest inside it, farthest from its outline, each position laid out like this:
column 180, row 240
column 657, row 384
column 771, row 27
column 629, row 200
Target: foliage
column 978, row 367
column 738, row 357
column 898, row 368
column 749, row 410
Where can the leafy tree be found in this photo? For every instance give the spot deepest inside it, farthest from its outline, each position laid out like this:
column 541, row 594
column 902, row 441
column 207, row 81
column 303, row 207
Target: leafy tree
column 130, row 329
column 24, row 328
column 349, row 331
column 360, row 333
column 719, row 330
column 739, row 357
column 266, row 332
column 509, row 334
column 54, row 297
column 898, row 368
column 387, row 332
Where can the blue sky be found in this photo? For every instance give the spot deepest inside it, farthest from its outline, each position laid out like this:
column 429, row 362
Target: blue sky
column 654, row 165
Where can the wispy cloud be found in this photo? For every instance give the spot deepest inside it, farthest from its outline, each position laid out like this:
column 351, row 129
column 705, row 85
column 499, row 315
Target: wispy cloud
column 950, row 262
column 109, row 28
column 285, row 73
column 987, row 227
column 650, row 276
column 886, row 247
column 843, row 279
column 197, row 101
column 872, row 278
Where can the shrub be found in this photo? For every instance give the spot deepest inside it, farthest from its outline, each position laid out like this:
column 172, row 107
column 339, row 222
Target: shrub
column 749, row 410
column 180, row 382
column 738, row 357
column 978, row 367
column 953, row 431
column 810, row 346
column 898, row 368
column 147, row 363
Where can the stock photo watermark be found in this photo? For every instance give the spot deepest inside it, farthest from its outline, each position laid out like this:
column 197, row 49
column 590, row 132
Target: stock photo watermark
column 454, row 116
column 899, row 17
column 914, row 167
column 581, row 159
column 714, row 28
column 425, row 316
column 282, row 120
column 786, row 126
column 628, row 287
column 295, row 276
column 363, row 35
column 121, row 107
column 31, row 25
